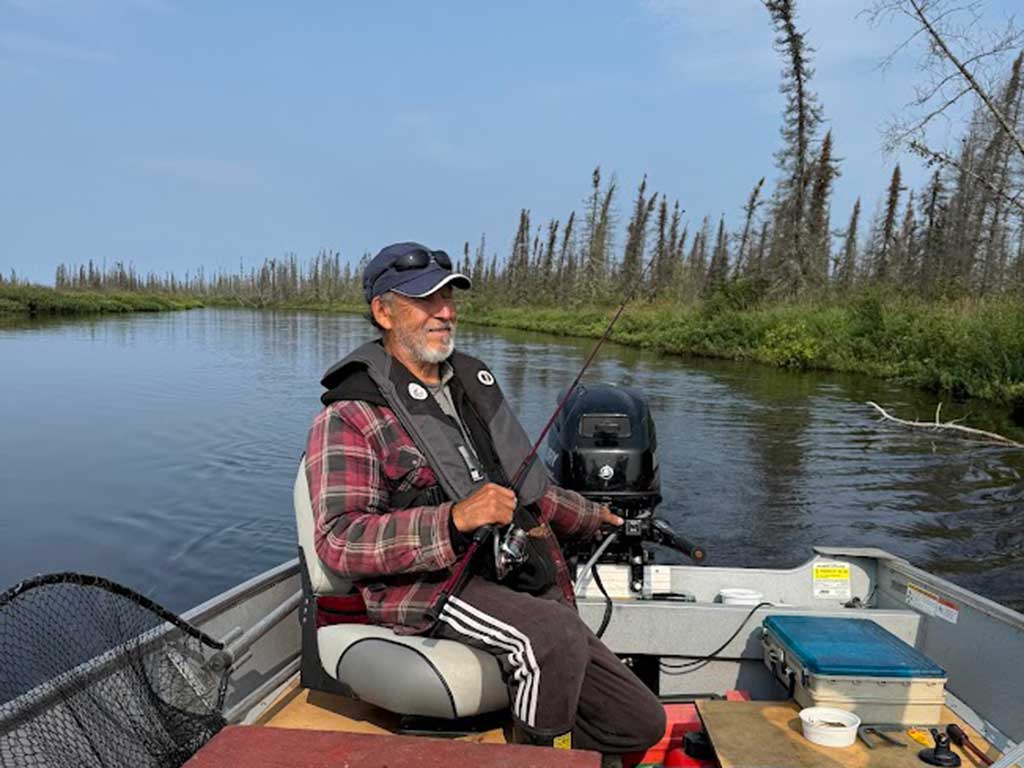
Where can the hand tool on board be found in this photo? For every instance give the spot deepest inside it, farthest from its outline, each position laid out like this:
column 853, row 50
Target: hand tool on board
column 961, row 739
column 873, row 734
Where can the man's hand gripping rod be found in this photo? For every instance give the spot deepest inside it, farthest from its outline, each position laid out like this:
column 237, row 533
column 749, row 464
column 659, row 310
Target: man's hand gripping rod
column 461, row 574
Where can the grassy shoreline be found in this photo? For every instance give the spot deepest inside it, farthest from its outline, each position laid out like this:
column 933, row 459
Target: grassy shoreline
column 967, row 347
column 38, row 300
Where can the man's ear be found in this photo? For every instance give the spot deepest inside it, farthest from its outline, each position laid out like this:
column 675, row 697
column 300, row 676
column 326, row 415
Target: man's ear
column 382, row 313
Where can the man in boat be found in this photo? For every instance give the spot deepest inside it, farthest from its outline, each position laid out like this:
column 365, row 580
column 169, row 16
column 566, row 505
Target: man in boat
column 410, row 458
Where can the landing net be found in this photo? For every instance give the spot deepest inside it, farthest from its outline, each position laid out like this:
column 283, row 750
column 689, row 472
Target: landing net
column 93, row 674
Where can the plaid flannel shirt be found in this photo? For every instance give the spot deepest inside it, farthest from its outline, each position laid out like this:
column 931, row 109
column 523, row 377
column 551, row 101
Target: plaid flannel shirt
column 357, row 457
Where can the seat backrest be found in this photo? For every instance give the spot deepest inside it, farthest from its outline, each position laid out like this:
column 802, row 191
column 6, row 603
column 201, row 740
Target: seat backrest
column 323, row 580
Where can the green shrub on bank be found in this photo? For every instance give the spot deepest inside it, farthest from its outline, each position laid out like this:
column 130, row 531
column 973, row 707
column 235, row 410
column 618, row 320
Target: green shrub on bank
column 40, row 300
column 967, row 347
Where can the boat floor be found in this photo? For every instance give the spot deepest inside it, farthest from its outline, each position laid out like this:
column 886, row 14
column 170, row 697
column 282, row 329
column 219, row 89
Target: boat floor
column 303, row 709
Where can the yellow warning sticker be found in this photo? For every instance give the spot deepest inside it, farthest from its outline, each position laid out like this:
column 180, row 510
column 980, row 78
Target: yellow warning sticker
column 563, row 742
column 832, row 581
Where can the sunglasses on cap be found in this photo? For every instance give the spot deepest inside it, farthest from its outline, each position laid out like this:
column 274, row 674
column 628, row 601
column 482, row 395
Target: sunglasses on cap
column 419, row 259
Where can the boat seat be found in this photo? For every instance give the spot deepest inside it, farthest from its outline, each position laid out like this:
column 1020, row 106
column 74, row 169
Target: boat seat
column 406, row 674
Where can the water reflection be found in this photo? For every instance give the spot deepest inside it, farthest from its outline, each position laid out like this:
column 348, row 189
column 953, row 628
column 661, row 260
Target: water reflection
column 160, row 449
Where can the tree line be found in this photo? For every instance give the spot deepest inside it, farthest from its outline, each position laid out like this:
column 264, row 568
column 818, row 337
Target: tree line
column 962, row 234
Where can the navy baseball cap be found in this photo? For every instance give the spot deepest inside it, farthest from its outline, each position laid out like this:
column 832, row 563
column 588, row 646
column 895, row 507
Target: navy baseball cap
column 410, row 269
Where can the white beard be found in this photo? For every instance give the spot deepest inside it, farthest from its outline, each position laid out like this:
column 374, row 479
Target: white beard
column 429, row 355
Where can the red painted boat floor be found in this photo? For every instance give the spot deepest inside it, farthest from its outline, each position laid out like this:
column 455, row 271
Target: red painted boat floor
column 248, row 746
column 680, row 719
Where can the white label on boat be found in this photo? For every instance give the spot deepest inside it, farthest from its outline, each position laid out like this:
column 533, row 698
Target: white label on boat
column 614, row 577
column 832, row 581
column 920, row 599
column 657, row 580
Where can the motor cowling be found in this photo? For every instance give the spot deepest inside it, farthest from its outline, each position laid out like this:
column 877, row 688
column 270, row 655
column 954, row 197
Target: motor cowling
column 604, row 446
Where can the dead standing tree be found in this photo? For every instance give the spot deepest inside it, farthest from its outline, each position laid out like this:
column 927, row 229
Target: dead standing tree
column 790, row 255
column 960, row 60
column 749, row 212
column 636, row 237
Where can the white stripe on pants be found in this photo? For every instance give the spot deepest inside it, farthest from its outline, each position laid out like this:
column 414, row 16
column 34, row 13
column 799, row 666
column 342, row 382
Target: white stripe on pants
column 472, row 622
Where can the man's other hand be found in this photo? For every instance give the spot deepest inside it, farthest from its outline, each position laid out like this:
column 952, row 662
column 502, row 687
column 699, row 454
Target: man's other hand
column 491, row 504
column 609, row 517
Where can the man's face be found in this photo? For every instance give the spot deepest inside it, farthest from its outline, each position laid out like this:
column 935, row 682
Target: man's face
column 424, row 328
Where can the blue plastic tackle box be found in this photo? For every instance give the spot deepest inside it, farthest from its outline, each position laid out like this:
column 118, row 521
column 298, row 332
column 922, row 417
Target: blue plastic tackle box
column 856, row 665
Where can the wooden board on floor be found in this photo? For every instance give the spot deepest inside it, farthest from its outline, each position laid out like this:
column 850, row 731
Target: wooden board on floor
column 246, row 746
column 767, row 734
column 300, row 708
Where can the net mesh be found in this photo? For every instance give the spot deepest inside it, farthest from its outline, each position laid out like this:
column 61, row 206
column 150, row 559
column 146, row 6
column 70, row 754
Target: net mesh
column 94, row 674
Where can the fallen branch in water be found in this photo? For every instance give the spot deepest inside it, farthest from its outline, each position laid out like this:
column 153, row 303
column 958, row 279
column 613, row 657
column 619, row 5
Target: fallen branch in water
column 948, row 426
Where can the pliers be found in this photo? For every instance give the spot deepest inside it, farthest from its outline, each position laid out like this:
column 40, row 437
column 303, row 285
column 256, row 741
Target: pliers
column 878, row 731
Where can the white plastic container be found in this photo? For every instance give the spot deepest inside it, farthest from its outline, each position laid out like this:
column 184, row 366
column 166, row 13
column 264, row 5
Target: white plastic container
column 740, row 596
column 829, row 727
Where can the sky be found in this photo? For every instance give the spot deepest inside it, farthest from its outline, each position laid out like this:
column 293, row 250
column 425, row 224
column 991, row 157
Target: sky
column 174, row 134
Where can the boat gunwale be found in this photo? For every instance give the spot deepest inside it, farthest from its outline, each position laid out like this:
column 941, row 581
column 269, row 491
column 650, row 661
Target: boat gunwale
column 228, row 599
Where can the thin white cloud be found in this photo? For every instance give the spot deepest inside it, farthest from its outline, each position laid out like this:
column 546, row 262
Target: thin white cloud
column 40, row 47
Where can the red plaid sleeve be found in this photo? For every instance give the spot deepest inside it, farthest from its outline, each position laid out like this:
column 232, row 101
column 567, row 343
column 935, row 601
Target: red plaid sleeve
column 570, row 515
column 351, row 451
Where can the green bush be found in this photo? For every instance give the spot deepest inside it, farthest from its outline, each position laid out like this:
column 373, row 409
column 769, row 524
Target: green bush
column 791, row 345
column 969, row 348
column 40, row 300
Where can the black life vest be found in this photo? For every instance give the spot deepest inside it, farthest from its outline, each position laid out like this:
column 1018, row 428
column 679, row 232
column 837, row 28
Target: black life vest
column 499, row 443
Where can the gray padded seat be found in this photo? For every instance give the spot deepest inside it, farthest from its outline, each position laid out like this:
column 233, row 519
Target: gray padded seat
column 410, row 675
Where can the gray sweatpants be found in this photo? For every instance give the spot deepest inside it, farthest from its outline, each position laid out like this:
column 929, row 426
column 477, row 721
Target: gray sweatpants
column 560, row 677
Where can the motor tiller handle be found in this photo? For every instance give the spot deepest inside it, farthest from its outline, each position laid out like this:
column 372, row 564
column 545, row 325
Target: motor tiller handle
column 670, row 538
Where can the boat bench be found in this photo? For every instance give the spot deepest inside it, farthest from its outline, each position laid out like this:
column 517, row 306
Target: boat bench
column 250, row 746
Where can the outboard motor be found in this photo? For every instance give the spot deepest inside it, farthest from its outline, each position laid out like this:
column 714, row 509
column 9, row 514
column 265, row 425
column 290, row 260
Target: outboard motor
column 604, row 446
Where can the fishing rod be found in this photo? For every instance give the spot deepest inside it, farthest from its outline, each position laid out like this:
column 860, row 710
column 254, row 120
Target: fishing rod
column 517, row 537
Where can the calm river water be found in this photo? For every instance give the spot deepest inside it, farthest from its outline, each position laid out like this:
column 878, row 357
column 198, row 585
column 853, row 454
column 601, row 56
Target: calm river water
column 159, row 451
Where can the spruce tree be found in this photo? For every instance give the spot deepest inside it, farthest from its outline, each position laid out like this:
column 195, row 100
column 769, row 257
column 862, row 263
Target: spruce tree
column 598, row 235
column 826, row 169
column 932, row 239
column 718, row 271
column 659, row 269
column 883, row 251
column 905, row 252
column 477, row 273
column 801, row 117
column 546, row 273
column 749, row 212
column 848, row 263
column 636, row 239
column 566, row 273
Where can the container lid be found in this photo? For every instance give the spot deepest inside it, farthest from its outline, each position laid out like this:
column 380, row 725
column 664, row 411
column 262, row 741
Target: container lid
column 835, row 646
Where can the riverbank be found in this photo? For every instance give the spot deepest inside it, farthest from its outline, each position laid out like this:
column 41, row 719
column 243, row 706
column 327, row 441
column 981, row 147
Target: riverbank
column 38, row 300
column 969, row 348
column 965, row 347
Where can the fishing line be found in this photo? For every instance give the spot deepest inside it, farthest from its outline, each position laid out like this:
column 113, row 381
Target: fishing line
column 461, row 574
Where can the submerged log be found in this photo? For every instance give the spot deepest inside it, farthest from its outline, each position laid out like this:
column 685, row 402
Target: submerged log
column 950, row 427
